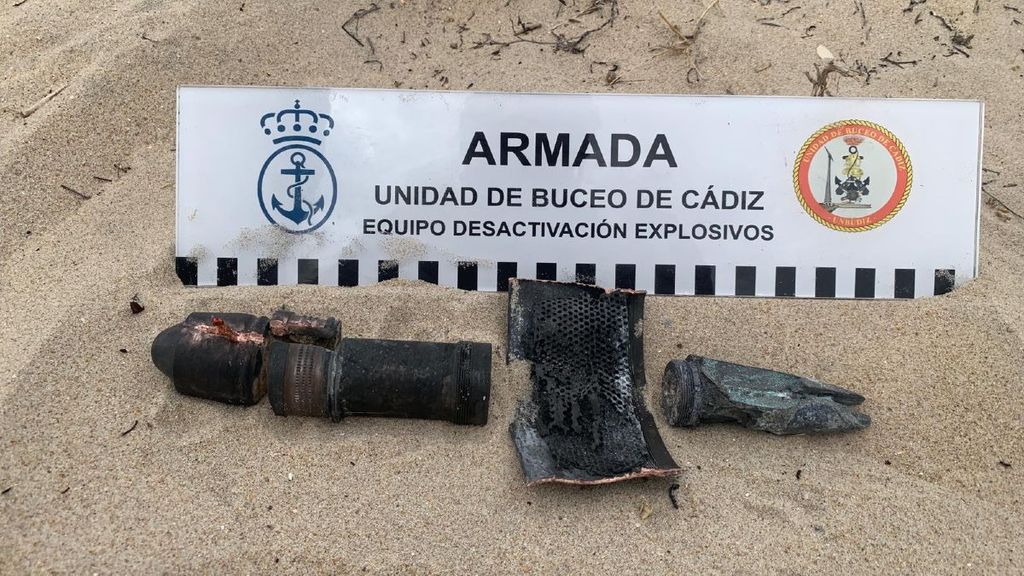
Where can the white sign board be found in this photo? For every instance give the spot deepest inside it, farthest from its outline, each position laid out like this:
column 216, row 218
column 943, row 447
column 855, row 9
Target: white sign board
column 755, row 196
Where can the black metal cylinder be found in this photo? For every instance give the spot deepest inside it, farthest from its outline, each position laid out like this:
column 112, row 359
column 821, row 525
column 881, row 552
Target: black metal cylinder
column 415, row 380
column 389, row 378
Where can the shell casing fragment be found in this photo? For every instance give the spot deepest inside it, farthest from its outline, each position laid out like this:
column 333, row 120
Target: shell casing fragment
column 308, row 369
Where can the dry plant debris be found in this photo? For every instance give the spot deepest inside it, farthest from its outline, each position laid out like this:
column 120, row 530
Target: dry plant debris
column 686, row 44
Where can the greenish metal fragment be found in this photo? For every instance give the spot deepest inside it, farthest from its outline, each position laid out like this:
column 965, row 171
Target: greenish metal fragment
column 699, row 390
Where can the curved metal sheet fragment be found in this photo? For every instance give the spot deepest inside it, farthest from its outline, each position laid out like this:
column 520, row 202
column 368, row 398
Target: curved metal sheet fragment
column 586, row 421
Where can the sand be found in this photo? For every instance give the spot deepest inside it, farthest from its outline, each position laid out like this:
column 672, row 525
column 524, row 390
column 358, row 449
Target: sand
column 934, row 486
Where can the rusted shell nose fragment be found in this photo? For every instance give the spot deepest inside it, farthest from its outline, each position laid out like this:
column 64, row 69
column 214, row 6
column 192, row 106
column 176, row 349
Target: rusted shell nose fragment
column 214, row 356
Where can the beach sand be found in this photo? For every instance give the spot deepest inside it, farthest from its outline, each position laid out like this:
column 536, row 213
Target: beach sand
column 933, row 486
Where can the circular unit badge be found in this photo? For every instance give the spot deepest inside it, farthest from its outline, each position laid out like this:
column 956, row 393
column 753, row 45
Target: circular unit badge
column 853, row 176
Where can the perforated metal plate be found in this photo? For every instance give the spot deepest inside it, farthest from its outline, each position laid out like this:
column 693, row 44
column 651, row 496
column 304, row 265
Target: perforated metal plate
column 586, row 421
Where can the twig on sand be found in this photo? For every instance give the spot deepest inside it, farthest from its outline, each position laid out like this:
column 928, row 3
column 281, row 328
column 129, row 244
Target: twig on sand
column 129, row 430
column 819, row 80
column 683, row 38
column 672, row 495
column 561, row 42
column 574, row 45
column 522, row 27
column 81, row 195
column 898, row 63
column 959, row 41
column 706, row 10
column 356, row 17
column 42, row 101
column 686, row 43
column 613, row 77
column 1000, row 205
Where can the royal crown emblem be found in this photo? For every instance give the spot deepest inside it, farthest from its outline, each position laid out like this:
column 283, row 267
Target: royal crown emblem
column 297, row 186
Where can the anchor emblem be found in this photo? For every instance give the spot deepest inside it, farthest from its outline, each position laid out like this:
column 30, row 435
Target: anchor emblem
column 299, row 169
column 301, row 210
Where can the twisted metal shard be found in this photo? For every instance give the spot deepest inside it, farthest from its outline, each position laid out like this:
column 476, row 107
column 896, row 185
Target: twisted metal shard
column 698, row 390
column 586, row 421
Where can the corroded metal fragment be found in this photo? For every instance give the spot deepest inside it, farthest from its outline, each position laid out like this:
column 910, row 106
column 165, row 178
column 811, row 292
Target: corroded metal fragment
column 586, row 421
column 292, row 327
column 698, row 390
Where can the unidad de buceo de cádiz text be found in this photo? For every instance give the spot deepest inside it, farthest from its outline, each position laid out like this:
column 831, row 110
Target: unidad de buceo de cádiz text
column 566, row 198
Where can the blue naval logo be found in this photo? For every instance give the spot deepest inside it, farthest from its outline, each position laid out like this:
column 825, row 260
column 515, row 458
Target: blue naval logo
column 297, row 187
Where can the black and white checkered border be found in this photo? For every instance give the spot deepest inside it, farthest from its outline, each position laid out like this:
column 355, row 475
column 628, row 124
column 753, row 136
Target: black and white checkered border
column 667, row 277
